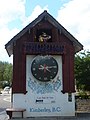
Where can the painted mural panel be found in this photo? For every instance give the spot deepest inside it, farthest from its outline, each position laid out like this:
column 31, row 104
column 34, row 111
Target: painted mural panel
column 45, row 92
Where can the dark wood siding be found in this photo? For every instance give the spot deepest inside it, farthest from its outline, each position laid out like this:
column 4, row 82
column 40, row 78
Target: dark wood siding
column 19, row 69
column 68, row 71
column 72, row 81
column 19, row 59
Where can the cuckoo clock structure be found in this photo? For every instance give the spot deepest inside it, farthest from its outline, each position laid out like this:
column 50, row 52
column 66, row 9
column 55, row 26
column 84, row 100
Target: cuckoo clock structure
column 43, row 68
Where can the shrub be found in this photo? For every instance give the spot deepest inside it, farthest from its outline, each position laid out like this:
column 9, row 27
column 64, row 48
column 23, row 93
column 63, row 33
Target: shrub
column 83, row 95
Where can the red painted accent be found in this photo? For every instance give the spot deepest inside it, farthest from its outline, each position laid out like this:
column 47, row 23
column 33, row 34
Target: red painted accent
column 44, row 68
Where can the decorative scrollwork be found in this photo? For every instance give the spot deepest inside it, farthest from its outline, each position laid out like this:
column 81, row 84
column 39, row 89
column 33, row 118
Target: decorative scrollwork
column 44, row 87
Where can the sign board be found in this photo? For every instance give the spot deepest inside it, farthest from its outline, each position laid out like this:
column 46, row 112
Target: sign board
column 44, row 48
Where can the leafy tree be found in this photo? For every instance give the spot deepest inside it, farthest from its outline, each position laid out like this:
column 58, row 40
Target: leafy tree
column 82, row 70
column 8, row 73
column 5, row 73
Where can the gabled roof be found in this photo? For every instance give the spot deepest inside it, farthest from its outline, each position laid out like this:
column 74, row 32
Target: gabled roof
column 9, row 46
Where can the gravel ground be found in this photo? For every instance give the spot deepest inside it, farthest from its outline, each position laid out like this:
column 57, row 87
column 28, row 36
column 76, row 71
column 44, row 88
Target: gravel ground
column 83, row 105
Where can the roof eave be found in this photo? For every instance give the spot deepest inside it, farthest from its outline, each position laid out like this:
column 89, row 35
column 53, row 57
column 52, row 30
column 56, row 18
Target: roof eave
column 77, row 44
column 9, row 49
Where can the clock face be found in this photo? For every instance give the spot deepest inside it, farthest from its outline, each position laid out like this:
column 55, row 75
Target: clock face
column 44, row 68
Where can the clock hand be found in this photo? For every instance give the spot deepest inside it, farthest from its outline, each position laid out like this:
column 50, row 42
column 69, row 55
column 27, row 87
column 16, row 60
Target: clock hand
column 44, row 68
column 41, row 67
column 47, row 69
column 51, row 67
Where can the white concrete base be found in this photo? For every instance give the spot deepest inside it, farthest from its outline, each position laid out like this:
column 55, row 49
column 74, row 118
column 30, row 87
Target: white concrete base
column 63, row 108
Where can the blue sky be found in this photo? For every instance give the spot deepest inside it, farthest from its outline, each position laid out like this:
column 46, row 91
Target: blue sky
column 53, row 5
column 74, row 15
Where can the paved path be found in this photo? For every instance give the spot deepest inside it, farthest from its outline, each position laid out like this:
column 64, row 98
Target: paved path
column 4, row 103
column 56, row 118
column 3, row 116
column 80, row 116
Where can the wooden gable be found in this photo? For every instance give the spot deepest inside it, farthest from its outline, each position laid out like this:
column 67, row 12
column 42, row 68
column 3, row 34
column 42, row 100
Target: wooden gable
column 27, row 41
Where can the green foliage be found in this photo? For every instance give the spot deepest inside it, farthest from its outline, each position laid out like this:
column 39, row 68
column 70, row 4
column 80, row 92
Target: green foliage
column 82, row 70
column 83, row 95
column 5, row 73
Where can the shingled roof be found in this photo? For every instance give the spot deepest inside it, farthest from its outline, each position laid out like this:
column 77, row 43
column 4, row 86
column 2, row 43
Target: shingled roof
column 9, row 46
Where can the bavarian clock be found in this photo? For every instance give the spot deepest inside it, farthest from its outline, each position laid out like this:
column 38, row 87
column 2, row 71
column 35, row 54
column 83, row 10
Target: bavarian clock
column 44, row 68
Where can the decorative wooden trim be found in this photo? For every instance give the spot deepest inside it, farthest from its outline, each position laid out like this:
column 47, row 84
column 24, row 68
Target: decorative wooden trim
column 44, row 48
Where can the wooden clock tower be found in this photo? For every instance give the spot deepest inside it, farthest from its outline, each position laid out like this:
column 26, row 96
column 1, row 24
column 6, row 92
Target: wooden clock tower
column 43, row 68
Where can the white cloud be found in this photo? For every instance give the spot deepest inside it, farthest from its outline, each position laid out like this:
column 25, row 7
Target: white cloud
column 9, row 10
column 5, row 36
column 12, row 10
column 37, row 11
column 75, row 17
